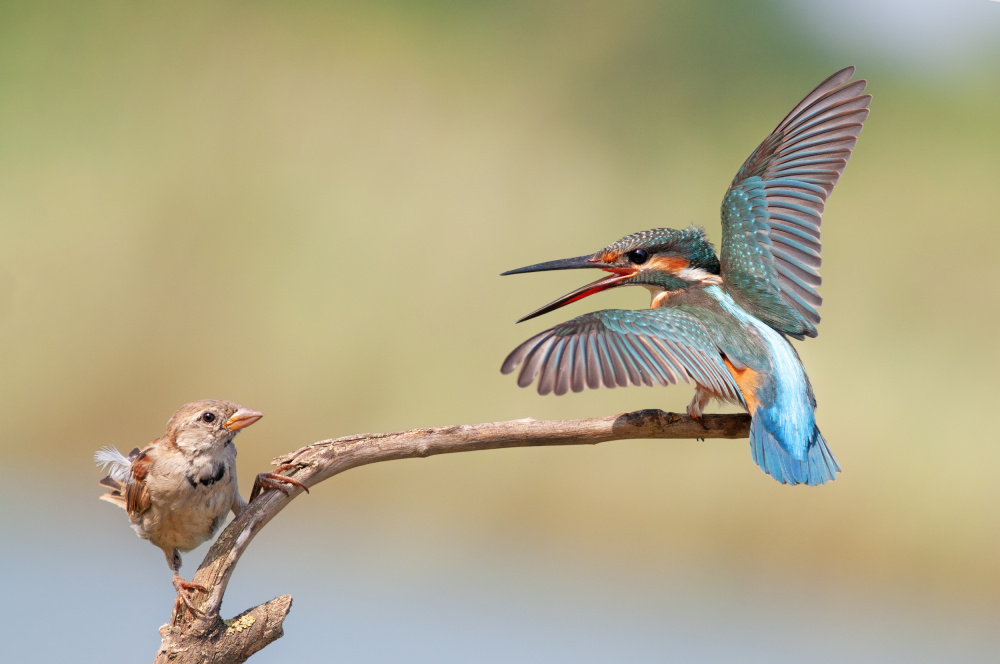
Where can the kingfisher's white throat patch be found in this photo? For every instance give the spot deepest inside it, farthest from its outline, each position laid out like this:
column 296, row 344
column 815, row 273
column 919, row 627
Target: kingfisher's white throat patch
column 701, row 275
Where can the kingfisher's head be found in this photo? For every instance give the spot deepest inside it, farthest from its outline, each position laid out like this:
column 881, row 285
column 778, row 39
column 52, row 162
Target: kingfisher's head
column 661, row 259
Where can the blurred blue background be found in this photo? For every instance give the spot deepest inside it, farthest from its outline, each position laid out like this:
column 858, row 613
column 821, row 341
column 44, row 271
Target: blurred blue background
column 304, row 207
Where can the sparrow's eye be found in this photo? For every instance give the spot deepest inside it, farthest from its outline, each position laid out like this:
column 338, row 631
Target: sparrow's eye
column 638, row 256
column 208, row 416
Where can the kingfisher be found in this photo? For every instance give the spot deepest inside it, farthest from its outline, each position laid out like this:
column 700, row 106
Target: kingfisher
column 722, row 322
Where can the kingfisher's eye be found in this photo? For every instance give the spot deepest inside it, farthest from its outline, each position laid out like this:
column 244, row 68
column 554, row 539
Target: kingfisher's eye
column 208, row 416
column 638, row 256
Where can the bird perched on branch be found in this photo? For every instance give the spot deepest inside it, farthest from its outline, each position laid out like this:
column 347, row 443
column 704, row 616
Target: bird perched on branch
column 178, row 490
column 724, row 321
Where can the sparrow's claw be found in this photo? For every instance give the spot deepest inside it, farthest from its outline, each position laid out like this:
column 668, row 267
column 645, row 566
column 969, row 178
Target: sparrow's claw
column 182, row 587
column 273, row 480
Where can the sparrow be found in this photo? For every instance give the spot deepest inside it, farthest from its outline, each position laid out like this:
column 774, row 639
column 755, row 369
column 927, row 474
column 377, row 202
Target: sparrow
column 179, row 488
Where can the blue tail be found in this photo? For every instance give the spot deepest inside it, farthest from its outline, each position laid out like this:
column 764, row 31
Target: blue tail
column 818, row 466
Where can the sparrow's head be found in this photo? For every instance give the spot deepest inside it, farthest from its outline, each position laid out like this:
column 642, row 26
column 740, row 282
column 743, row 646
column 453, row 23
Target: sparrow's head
column 207, row 425
column 661, row 259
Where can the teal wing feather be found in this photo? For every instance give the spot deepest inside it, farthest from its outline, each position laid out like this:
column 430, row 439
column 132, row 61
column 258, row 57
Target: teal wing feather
column 616, row 347
column 771, row 250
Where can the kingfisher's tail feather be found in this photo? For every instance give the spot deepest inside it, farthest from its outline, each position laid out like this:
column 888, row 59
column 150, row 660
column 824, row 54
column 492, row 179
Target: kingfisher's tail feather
column 819, row 466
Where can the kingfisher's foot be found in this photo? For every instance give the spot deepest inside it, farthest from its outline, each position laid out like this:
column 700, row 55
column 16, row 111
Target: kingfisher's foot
column 696, row 408
column 273, row 480
column 700, row 419
column 697, row 417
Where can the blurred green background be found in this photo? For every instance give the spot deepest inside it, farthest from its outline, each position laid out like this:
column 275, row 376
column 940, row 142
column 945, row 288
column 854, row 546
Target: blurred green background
column 304, row 207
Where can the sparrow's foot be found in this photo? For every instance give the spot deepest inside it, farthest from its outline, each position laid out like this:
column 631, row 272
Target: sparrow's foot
column 273, row 480
column 182, row 588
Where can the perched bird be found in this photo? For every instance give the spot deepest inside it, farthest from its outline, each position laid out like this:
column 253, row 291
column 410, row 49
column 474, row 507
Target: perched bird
column 178, row 490
column 724, row 321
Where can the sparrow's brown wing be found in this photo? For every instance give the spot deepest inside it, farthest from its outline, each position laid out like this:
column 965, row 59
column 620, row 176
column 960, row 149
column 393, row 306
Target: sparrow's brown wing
column 136, row 494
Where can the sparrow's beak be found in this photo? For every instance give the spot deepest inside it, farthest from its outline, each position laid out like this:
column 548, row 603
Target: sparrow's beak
column 242, row 418
column 619, row 275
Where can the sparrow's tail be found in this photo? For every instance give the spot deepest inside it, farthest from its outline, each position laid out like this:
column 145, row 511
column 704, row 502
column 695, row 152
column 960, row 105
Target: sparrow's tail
column 817, row 467
column 119, row 466
column 116, row 463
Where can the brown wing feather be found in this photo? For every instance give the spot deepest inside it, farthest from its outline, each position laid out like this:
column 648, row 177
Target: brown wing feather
column 136, row 494
column 115, row 497
column 132, row 494
column 112, row 484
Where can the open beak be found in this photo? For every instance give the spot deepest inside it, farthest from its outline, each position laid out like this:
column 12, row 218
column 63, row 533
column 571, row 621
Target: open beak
column 619, row 275
column 561, row 264
column 242, row 418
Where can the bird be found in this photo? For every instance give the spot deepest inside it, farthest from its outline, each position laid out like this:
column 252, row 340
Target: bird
column 179, row 488
column 722, row 321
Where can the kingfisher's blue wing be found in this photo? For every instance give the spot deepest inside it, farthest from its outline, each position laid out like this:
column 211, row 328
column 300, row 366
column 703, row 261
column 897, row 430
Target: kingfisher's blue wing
column 771, row 214
column 617, row 347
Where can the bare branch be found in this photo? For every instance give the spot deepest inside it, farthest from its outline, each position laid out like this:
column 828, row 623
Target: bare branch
column 207, row 638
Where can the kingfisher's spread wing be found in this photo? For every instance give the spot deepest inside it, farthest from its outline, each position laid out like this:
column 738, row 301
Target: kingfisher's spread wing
column 771, row 213
column 617, row 347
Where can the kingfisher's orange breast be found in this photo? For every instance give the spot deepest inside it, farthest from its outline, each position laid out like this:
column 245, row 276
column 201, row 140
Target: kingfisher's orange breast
column 748, row 381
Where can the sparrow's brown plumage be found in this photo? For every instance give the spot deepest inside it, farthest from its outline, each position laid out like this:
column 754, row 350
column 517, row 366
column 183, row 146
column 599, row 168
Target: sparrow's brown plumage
column 178, row 490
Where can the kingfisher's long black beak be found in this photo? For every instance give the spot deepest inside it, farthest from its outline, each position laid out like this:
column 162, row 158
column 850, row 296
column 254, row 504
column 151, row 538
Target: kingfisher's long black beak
column 561, row 264
column 619, row 275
